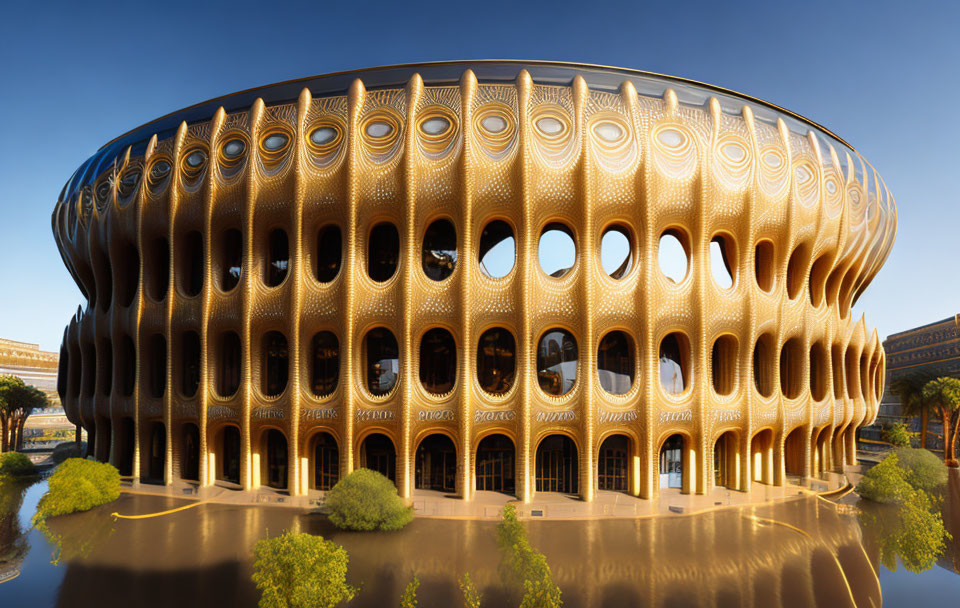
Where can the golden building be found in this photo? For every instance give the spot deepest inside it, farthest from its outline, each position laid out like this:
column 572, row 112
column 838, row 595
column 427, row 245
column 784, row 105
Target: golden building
column 416, row 269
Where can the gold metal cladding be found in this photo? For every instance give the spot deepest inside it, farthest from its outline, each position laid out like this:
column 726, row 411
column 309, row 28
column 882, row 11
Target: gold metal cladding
column 804, row 227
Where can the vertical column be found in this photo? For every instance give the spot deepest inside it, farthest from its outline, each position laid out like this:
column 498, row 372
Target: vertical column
column 249, row 465
column 355, row 99
column 407, row 348
column 210, row 199
column 468, row 89
column 297, row 484
column 588, row 348
column 526, row 370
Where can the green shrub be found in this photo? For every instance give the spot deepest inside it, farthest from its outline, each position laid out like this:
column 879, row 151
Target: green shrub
column 78, row 485
column 902, row 470
column 925, row 471
column 471, row 597
column 409, row 597
column 898, row 435
column 366, row 500
column 525, row 565
column 16, row 464
column 67, row 449
column 301, row 571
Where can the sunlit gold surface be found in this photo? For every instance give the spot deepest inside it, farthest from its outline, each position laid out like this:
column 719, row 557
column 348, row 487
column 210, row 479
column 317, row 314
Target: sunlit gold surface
column 697, row 169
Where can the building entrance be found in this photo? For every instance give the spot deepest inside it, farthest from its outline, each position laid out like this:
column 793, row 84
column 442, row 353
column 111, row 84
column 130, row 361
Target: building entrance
column 495, row 464
column 436, row 464
column 557, row 466
column 612, row 466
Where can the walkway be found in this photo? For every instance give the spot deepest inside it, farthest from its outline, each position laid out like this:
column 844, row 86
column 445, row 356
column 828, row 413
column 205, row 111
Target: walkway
column 546, row 505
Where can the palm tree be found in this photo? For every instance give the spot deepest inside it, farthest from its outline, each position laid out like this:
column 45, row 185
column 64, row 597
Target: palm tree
column 909, row 388
column 944, row 393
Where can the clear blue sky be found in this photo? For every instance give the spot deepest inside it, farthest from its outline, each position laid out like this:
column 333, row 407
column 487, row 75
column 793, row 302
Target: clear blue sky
column 882, row 75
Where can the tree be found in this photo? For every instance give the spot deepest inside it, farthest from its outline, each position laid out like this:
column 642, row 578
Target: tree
column 471, row 596
column 909, row 388
column 898, row 435
column 301, row 571
column 944, row 393
column 409, row 597
column 17, row 401
column 366, row 500
column 525, row 565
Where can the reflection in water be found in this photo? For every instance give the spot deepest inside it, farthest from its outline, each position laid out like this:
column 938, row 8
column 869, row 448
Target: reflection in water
column 13, row 540
column 798, row 553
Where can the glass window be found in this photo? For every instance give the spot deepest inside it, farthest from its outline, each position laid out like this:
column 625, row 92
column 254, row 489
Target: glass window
column 329, row 253
column 672, row 256
column 190, row 255
column 232, row 259
column 616, row 254
column 496, row 360
column 440, row 250
column 557, row 359
column 615, row 365
column 438, row 361
column 278, row 257
column 498, row 249
column 383, row 360
column 383, row 252
column 674, row 362
column 228, row 370
column 190, row 362
column 557, row 252
column 326, row 363
column 275, row 364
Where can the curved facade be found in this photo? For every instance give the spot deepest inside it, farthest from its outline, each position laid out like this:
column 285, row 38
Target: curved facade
column 291, row 282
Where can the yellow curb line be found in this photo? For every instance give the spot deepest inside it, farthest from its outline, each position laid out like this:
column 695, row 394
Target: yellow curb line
column 116, row 515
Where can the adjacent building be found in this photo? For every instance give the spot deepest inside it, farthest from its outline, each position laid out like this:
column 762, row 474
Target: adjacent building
column 455, row 274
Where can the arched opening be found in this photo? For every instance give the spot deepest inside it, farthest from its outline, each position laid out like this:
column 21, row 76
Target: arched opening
column 723, row 260
column 763, row 370
column 189, row 363
column 278, row 258
column 821, row 452
column 436, row 464
column 723, row 364
column 232, row 259
column 673, row 255
column 616, row 252
column 326, row 462
column 105, row 367
column 383, row 360
column 275, row 370
column 726, row 461
column 764, row 265
column 615, row 363
column 673, row 461
column 794, row 447
column 557, row 250
column 228, row 364
column 329, row 253
column 89, row 369
column 761, row 456
column 325, row 367
column 497, row 252
column 63, row 372
column 378, row 454
column 156, row 268
column 190, row 454
column 126, row 446
column 496, row 360
column 674, row 363
column 557, row 466
column 864, row 376
column 383, row 252
column 104, row 439
column 127, row 267
column 438, row 361
column 818, row 371
column 791, row 368
column 836, row 360
column 128, row 366
column 275, row 473
column 157, row 365
column 557, row 360
column 439, row 251
column 190, row 263
column 157, row 457
column 495, row 469
column 229, row 452
column 818, row 279
column 850, row 363
column 613, row 464
column 797, row 270
column 103, row 278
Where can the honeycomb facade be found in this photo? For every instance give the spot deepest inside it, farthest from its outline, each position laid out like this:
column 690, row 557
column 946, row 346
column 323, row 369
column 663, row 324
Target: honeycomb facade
column 288, row 283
